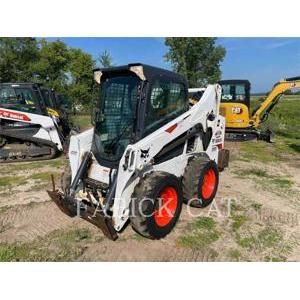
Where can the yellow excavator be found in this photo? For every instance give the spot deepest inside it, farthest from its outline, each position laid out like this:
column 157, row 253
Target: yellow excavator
column 241, row 125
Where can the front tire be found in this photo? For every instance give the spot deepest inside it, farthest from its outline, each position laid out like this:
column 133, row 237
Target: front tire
column 156, row 205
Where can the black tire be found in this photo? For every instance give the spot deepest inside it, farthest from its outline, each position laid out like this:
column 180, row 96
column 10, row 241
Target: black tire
column 195, row 174
column 144, row 206
column 66, row 177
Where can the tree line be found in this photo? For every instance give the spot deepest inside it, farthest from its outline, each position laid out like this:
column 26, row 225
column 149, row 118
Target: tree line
column 69, row 70
column 54, row 64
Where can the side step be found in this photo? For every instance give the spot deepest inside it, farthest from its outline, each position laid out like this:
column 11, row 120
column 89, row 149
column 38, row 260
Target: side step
column 71, row 208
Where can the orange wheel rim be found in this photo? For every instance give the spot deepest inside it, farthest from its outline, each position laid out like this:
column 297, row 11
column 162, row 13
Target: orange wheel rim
column 208, row 184
column 168, row 199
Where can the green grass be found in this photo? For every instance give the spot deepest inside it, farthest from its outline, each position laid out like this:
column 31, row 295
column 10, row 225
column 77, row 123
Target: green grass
column 207, row 223
column 44, row 176
column 75, row 235
column 234, row 255
column 246, row 172
column 43, row 180
column 236, row 207
column 246, row 242
column 57, row 246
column 252, row 172
column 256, row 206
column 284, row 121
column 271, row 258
column 238, row 221
column 269, row 237
column 83, row 121
column 13, row 168
column 9, row 181
column 282, row 183
column 265, row 179
column 268, row 153
column 54, row 163
column 264, row 241
column 200, row 234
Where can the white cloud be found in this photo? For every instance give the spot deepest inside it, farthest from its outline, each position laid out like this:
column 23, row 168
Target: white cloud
column 278, row 44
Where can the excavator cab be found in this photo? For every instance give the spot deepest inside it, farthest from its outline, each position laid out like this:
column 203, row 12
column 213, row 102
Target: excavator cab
column 235, row 102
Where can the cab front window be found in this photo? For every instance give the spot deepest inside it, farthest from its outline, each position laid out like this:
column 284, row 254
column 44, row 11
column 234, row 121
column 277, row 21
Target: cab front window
column 233, row 92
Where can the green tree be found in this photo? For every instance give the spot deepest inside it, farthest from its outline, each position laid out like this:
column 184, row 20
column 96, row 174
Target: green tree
column 53, row 63
column 196, row 58
column 67, row 70
column 105, row 59
column 17, row 57
column 81, row 77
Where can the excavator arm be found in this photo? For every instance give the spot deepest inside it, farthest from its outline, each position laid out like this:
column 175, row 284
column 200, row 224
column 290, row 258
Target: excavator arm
column 261, row 113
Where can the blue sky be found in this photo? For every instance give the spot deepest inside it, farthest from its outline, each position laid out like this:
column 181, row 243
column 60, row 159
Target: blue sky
column 261, row 60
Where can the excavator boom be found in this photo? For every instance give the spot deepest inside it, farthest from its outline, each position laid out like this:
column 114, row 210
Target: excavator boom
column 272, row 99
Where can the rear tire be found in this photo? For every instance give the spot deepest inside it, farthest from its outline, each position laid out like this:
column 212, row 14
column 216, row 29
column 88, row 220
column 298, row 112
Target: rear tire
column 156, row 205
column 200, row 182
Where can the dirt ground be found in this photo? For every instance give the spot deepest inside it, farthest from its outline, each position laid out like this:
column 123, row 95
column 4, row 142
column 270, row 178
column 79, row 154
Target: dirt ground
column 255, row 217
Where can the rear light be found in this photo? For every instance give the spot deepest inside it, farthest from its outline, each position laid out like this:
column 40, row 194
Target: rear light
column 220, row 146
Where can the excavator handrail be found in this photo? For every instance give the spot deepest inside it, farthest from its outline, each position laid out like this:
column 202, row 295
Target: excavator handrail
column 260, row 114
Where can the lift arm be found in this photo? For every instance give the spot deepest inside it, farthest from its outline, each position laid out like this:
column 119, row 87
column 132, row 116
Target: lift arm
column 262, row 112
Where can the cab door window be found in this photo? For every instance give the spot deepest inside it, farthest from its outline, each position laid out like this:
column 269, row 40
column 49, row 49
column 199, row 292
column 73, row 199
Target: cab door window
column 167, row 101
column 47, row 98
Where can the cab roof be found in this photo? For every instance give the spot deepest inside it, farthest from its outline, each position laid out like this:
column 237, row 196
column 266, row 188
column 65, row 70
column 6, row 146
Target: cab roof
column 149, row 72
column 235, row 81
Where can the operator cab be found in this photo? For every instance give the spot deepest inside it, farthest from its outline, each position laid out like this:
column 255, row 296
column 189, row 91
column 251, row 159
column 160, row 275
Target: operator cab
column 235, row 90
column 235, row 102
column 24, row 97
column 135, row 100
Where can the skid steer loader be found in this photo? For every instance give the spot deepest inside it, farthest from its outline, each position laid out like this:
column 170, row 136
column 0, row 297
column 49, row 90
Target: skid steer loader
column 148, row 152
column 30, row 127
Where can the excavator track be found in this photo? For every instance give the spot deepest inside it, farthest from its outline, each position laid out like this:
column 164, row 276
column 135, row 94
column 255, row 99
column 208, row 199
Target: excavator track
column 17, row 150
